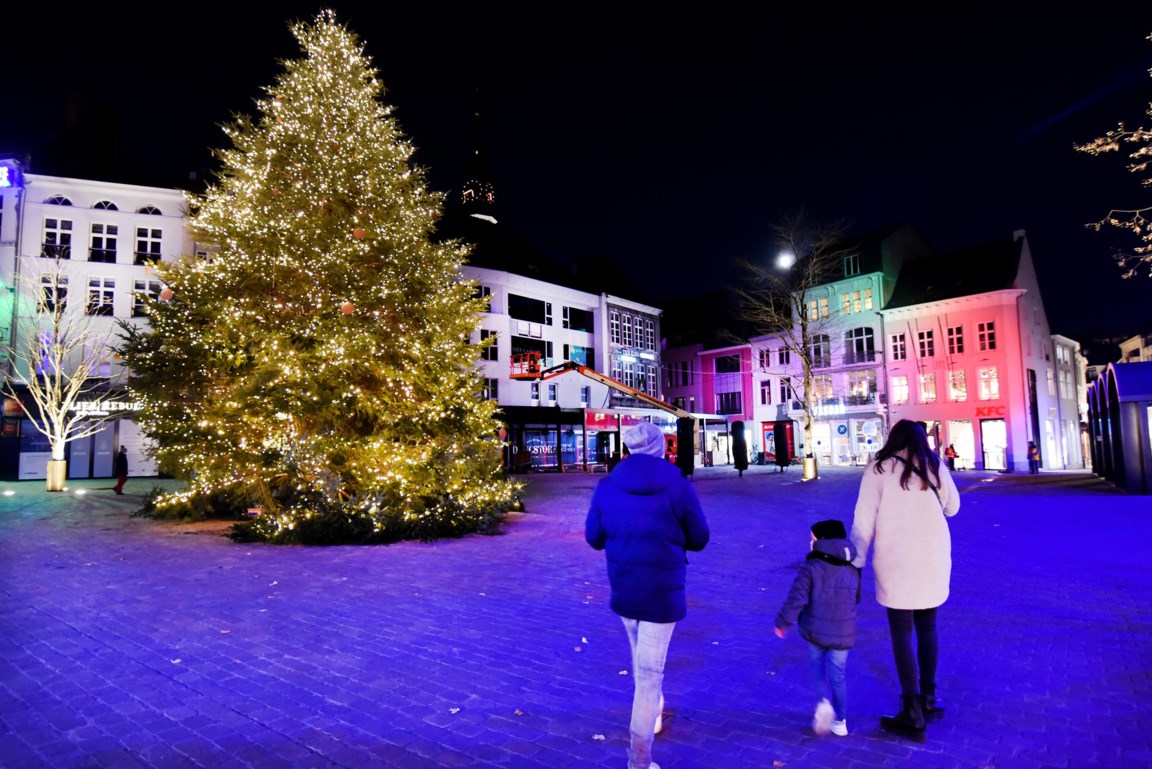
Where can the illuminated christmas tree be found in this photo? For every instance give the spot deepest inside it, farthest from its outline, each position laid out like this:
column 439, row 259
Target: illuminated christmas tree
column 317, row 367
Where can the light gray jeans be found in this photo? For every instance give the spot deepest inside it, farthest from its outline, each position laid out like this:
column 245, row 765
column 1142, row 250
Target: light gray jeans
column 649, row 642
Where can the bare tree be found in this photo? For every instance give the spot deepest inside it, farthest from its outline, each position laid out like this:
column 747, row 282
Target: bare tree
column 61, row 359
column 1138, row 220
column 779, row 300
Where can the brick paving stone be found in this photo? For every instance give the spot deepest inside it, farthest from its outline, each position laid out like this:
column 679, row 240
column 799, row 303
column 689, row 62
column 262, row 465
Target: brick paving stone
column 168, row 645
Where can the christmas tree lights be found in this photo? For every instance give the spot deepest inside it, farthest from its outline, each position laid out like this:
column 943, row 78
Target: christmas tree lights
column 317, row 365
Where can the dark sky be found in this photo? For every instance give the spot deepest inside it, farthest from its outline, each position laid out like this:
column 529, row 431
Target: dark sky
column 664, row 136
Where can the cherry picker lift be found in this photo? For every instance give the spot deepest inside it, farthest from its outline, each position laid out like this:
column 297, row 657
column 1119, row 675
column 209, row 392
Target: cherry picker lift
column 529, row 366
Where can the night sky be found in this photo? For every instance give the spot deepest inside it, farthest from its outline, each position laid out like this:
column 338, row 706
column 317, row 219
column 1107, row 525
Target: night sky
column 666, row 137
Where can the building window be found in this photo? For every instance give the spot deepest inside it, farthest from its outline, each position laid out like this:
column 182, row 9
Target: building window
column 955, row 340
column 766, row 392
column 859, row 346
column 105, row 205
column 552, row 393
column 786, row 395
column 728, row 364
column 490, row 390
column 650, row 380
column 54, row 294
column 851, row 265
column 728, row 403
column 491, row 352
column 585, row 394
column 820, row 351
column 762, row 357
column 614, row 326
column 899, row 389
column 150, row 210
column 148, row 245
column 822, row 388
column 957, row 388
column 899, row 347
column 927, row 388
column 1051, row 382
column 577, row 319
column 485, row 293
column 989, row 384
column 785, row 356
column 856, row 301
column 861, row 387
column 101, row 292
column 986, row 335
column 817, row 308
column 626, row 330
column 143, row 291
column 534, row 391
column 927, row 344
column 57, row 238
column 103, row 248
column 649, row 334
column 57, row 200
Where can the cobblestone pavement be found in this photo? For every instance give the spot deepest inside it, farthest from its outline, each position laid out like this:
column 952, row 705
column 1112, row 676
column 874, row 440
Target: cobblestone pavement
column 125, row 642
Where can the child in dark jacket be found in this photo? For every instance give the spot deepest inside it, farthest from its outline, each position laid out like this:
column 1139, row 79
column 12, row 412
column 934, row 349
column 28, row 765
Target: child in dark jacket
column 823, row 597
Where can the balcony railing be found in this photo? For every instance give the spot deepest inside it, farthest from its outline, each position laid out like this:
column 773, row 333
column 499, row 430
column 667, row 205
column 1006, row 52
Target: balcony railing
column 106, row 255
column 859, row 356
column 822, row 361
column 860, row 400
column 56, row 250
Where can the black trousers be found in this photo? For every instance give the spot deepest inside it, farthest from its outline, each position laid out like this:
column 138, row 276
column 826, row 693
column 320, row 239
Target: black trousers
column 915, row 664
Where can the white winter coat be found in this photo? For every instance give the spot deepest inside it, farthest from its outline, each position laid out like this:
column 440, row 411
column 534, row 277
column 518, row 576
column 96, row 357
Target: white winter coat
column 912, row 557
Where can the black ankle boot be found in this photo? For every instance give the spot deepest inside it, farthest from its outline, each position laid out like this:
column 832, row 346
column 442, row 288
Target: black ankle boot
column 909, row 722
column 932, row 708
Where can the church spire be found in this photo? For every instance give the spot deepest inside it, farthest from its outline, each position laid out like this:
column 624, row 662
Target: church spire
column 477, row 195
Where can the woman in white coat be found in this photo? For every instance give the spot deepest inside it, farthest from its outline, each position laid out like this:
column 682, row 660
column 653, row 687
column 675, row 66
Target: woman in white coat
column 906, row 495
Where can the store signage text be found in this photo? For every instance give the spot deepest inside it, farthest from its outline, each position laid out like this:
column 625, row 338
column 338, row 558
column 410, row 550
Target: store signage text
column 101, row 408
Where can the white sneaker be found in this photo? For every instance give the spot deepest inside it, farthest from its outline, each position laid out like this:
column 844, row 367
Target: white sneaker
column 839, row 728
column 659, row 719
column 822, row 721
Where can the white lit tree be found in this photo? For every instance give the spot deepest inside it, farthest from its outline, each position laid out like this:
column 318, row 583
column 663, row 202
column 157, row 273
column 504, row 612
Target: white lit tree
column 1137, row 142
column 776, row 300
column 62, row 360
column 317, row 366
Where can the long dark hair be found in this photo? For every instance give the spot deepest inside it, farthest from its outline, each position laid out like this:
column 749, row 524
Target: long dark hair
column 909, row 442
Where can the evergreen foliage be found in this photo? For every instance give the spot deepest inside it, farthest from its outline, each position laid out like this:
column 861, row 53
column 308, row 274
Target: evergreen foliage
column 317, row 366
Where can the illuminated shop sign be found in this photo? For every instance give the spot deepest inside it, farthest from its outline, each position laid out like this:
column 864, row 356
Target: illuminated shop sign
column 9, row 174
column 103, row 408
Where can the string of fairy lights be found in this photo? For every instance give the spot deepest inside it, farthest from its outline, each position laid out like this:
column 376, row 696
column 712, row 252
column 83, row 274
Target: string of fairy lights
column 321, row 353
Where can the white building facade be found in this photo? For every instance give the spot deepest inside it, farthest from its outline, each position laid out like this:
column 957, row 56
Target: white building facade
column 102, row 235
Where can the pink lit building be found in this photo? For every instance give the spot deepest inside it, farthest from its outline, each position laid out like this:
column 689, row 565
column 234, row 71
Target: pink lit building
column 969, row 352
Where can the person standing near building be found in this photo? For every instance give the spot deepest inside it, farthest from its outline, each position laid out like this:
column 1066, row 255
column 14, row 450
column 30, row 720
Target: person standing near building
column 906, row 496
column 120, row 469
column 1033, row 458
column 646, row 517
column 950, row 454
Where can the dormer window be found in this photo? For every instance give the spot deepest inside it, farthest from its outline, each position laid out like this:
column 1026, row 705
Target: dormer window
column 851, row 265
column 58, row 200
column 151, row 210
column 106, row 205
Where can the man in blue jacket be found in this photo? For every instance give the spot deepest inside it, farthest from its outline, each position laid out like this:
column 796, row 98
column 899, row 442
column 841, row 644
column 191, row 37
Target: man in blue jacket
column 646, row 516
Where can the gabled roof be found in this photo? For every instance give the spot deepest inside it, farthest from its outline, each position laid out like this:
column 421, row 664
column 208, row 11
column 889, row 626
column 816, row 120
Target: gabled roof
column 977, row 270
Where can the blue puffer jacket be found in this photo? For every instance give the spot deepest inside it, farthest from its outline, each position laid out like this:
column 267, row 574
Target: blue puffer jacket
column 824, row 595
column 644, row 515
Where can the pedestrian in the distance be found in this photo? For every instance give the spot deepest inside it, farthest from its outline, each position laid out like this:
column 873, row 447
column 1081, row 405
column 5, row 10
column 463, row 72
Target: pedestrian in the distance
column 950, row 454
column 823, row 598
column 906, row 495
column 1033, row 458
column 646, row 516
column 120, row 469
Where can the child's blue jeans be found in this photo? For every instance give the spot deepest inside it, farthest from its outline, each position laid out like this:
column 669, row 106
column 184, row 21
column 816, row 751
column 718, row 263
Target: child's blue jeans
column 827, row 667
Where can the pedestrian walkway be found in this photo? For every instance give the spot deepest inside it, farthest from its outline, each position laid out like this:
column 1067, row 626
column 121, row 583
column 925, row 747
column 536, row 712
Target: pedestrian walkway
column 126, row 642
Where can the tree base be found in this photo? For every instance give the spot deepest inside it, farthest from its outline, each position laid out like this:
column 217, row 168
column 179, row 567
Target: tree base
column 57, row 474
